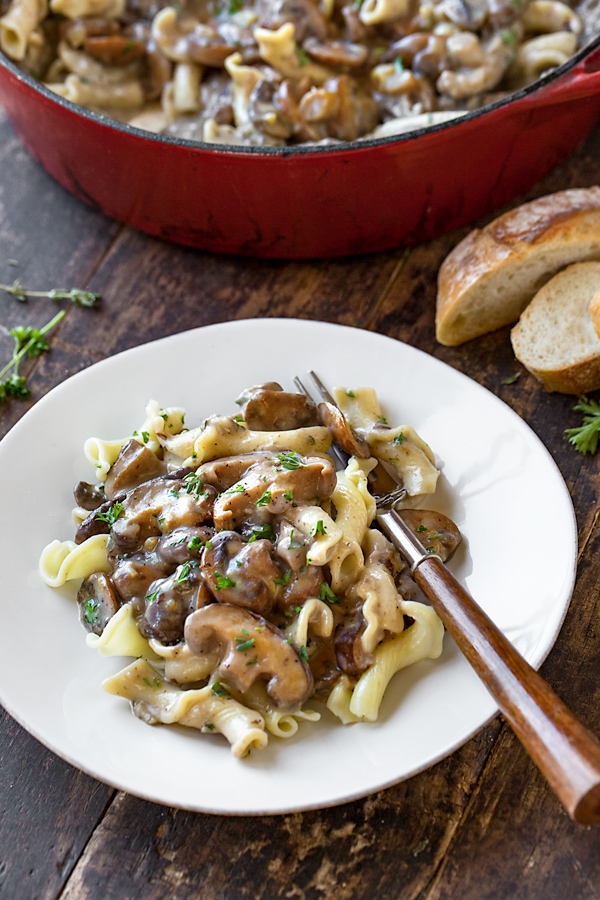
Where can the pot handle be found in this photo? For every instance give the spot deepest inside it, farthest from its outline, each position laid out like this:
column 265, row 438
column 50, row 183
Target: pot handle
column 582, row 81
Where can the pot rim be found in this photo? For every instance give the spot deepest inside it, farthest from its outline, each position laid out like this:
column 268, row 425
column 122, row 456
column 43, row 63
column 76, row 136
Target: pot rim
column 105, row 121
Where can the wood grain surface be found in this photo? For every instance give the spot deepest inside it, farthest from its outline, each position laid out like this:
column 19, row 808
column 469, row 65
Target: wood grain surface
column 480, row 825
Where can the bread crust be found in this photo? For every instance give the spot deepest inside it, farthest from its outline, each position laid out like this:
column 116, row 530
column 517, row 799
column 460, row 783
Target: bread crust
column 560, row 311
column 490, row 277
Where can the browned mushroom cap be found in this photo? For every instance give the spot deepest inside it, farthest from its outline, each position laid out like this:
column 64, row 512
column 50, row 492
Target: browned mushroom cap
column 284, row 100
column 207, row 47
column 160, row 506
column 134, row 465
column 133, row 575
column 279, row 411
column 169, row 602
column 337, row 54
column 274, row 486
column 224, row 473
column 241, row 574
column 406, row 48
column 300, row 587
column 469, row 15
column 97, row 601
column 87, row 496
column 437, row 532
column 250, row 648
column 343, row 435
column 114, row 50
column 98, row 521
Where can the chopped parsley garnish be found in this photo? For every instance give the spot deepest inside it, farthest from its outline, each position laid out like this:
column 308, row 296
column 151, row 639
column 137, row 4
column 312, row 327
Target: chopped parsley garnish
column 265, row 499
column 326, row 594
column 294, row 545
column 236, row 489
column 285, row 579
column 251, row 662
column 193, row 483
column 351, row 393
column 288, row 495
column 195, row 543
column 152, row 597
column 154, row 683
column 219, row 690
column 239, row 420
column 290, row 460
column 421, row 528
column 512, row 378
column 319, row 528
column 223, row 582
column 303, row 57
column 185, row 572
column 399, row 439
column 244, row 644
column 585, row 437
column 302, row 653
column 91, row 611
column 111, row 515
column 145, row 437
column 265, row 531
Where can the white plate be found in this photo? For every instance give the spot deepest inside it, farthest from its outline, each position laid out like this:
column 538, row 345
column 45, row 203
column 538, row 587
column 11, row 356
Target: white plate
column 499, row 484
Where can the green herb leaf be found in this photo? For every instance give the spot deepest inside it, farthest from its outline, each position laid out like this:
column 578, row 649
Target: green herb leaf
column 244, row 644
column 290, row 460
column 221, row 581
column 91, row 610
column 302, row 653
column 112, row 514
column 219, row 690
column 285, row 579
column 585, row 437
column 319, row 528
column 326, row 594
column 265, row 499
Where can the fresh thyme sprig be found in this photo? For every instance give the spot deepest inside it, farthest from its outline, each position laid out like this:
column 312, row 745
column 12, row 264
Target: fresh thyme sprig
column 30, row 342
column 585, row 437
column 75, row 295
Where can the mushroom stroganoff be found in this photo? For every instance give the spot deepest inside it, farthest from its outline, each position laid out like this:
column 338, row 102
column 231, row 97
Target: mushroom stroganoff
column 279, row 72
column 243, row 572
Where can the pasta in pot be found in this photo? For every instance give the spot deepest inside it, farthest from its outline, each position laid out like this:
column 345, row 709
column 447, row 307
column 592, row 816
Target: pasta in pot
column 281, row 72
column 243, row 573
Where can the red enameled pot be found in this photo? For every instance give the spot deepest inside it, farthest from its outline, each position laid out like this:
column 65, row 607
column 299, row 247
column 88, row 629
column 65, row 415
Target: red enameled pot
column 309, row 201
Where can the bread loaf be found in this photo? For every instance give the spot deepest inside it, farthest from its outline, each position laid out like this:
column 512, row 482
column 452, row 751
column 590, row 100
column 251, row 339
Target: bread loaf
column 555, row 338
column 490, row 277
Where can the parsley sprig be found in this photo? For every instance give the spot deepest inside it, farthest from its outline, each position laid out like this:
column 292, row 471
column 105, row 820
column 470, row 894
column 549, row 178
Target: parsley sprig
column 28, row 342
column 75, row 295
column 585, row 436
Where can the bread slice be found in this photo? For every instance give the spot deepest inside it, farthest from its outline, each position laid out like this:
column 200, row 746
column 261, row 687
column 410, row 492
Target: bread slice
column 555, row 338
column 490, row 277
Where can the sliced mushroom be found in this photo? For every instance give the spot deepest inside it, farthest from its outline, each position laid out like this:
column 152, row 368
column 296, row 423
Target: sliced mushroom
column 272, row 487
column 305, row 15
column 160, row 506
column 114, row 50
column 301, row 586
column 436, row 532
column 183, row 544
column 241, row 574
column 87, row 496
column 350, row 653
column 268, row 410
column 336, row 54
column 97, row 601
column 343, row 435
column 133, row 575
column 170, row 601
column 207, row 47
column 98, row 521
column 225, row 472
column 250, row 648
column 134, row 465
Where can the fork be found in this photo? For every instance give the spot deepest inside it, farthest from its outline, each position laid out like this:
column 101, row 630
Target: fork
column 567, row 754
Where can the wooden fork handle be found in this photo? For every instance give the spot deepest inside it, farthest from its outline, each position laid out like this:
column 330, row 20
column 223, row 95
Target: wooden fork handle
column 566, row 753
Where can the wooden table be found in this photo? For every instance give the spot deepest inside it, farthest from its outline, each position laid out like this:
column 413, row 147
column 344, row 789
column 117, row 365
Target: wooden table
column 482, row 823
